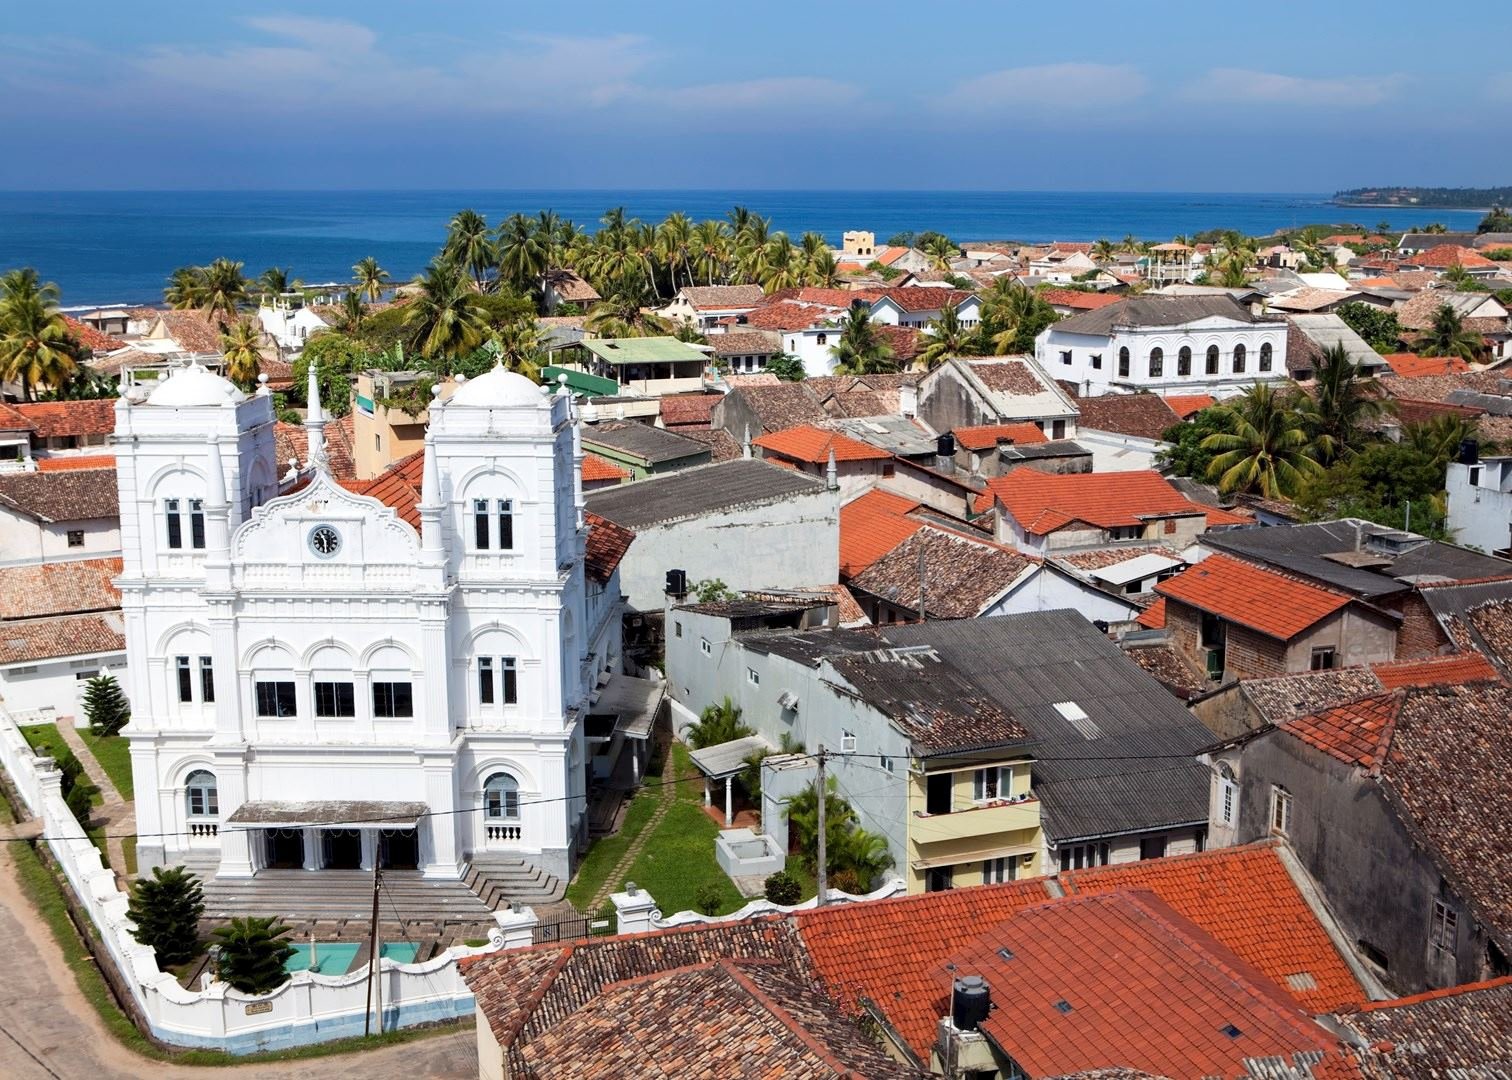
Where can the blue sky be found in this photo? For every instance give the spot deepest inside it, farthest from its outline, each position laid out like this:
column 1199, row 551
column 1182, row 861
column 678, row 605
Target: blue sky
column 828, row 94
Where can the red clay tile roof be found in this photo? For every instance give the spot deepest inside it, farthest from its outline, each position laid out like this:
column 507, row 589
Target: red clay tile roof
column 814, row 445
column 292, row 441
column 722, row 1018
column 1154, row 616
column 1055, row 1008
column 1245, row 898
column 607, row 544
column 11, row 420
column 745, row 342
column 723, row 297
column 1451, row 670
column 1274, row 604
column 28, row 640
column 961, row 575
column 397, row 487
column 1461, row 1031
column 570, row 287
column 1446, row 255
column 1356, row 732
column 902, row 340
column 91, row 338
column 680, row 409
column 70, row 462
column 59, row 419
column 72, row 495
column 194, row 332
column 889, row 951
column 59, row 588
column 1413, row 366
column 598, row 469
column 1144, row 416
column 722, row 445
column 924, row 297
column 987, row 436
column 1184, row 405
column 871, row 526
column 789, row 316
column 777, row 408
column 1075, row 298
column 1043, row 502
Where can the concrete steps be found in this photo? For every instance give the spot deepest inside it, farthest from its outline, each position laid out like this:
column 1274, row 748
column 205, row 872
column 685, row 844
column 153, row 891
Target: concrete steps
column 498, row 881
column 312, row 895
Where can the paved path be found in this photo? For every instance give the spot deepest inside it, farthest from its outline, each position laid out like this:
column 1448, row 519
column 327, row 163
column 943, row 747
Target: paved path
column 666, row 798
column 49, row 1032
column 115, row 812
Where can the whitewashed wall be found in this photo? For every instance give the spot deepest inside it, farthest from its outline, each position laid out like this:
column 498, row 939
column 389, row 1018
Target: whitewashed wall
column 309, row 1008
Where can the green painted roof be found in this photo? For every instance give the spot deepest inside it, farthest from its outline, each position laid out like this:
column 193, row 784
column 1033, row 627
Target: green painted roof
column 580, row 382
column 643, row 350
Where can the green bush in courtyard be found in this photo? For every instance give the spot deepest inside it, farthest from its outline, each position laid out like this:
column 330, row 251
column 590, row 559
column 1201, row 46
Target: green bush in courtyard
column 166, row 908
column 106, row 706
column 783, row 888
column 252, row 954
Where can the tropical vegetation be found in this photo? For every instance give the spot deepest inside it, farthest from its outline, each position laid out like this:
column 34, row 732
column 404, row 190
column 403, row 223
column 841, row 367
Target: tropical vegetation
column 855, row 858
column 37, row 348
column 165, row 909
column 253, row 952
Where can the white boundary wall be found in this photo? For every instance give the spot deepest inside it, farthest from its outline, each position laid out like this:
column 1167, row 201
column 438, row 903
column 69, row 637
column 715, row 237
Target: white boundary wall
column 309, row 1008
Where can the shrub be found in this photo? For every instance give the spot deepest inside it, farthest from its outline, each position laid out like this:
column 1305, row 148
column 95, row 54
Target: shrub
column 847, row 880
column 80, row 801
column 783, row 888
column 166, row 909
column 106, row 706
column 252, row 954
column 708, row 898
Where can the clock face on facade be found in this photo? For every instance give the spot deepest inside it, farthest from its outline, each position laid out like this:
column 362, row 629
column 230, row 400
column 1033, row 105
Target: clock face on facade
column 325, row 541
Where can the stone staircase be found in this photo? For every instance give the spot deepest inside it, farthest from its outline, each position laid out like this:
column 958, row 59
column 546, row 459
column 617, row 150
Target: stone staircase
column 499, row 880
column 311, row 895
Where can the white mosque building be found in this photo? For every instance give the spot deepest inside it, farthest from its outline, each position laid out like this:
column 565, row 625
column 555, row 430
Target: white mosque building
column 322, row 679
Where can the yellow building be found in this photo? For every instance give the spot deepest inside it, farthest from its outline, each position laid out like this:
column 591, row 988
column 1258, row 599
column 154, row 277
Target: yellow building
column 972, row 823
column 382, row 435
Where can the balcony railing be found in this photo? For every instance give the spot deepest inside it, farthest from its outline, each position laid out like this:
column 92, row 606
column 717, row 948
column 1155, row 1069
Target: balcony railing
column 1002, row 817
column 502, row 833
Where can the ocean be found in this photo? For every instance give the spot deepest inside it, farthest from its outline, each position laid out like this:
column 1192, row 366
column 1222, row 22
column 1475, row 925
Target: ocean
column 119, row 247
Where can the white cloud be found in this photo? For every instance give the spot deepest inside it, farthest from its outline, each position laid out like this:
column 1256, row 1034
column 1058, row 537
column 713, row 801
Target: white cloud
column 795, row 92
column 1074, row 86
column 1243, row 86
column 337, row 34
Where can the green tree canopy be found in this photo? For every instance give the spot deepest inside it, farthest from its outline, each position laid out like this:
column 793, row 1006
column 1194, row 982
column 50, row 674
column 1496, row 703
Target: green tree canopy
column 166, row 909
column 717, row 724
column 1498, row 220
column 337, row 357
column 105, row 705
column 1378, row 326
column 1186, row 455
column 253, row 952
column 1264, row 447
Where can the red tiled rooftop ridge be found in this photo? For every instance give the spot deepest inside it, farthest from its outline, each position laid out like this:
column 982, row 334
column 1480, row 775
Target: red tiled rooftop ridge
column 1265, row 600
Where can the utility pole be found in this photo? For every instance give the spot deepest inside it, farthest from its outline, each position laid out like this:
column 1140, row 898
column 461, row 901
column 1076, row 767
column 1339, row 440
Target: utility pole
column 367, row 1021
column 823, row 872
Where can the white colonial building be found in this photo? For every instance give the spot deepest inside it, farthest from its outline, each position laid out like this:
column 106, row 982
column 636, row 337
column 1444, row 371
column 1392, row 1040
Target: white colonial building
column 1166, row 345
column 323, row 679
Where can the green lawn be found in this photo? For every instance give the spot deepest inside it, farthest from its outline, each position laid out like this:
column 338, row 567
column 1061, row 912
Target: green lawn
column 128, row 849
column 46, row 739
column 606, row 851
column 113, row 753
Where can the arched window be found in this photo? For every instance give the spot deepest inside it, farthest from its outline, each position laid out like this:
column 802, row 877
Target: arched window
column 1238, row 359
column 1123, row 362
column 1184, row 361
column 200, row 794
column 1157, row 363
column 1265, row 357
column 821, row 339
column 1212, row 360
column 501, row 798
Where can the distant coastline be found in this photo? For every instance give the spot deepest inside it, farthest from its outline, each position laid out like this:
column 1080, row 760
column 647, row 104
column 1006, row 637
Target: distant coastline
column 120, row 247
column 1478, row 200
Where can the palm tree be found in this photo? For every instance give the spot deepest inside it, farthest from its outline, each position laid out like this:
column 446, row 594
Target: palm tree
column 861, row 350
column 1233, row 271
column 675, row 236
column 643, row 243
column 1459, row 277
column 1266, row 447
column 812, row 247
column 941, row 250
column 1448, row 336
column 371, row 278
column 1440, row 437
column 711, row 247
column 824, row 270
column 185, row 290
column 622, row 313
column 1130, row 245
column 947, row 338
column 1008, row 305
column 784, row 267
column 522, row 256
column 239, row 344
column 1104, row 250
column 518, row 346
column 225, row 290
column 740, row 220
column 273, row 283
column 717, row 724
column 609, row 260
column 447, row 318
column 36, row 346
column 352, row 311
column 751, row 243
column 1342, row 400
column 469, row 244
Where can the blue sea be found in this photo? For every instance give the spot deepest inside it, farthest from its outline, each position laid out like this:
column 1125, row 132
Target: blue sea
column 119, row 247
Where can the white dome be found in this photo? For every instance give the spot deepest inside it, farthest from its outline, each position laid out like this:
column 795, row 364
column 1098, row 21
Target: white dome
column 499, row 389
column 193, row 386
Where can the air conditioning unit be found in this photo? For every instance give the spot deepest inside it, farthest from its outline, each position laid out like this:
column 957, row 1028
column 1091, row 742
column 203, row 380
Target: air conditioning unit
column 788, row 700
